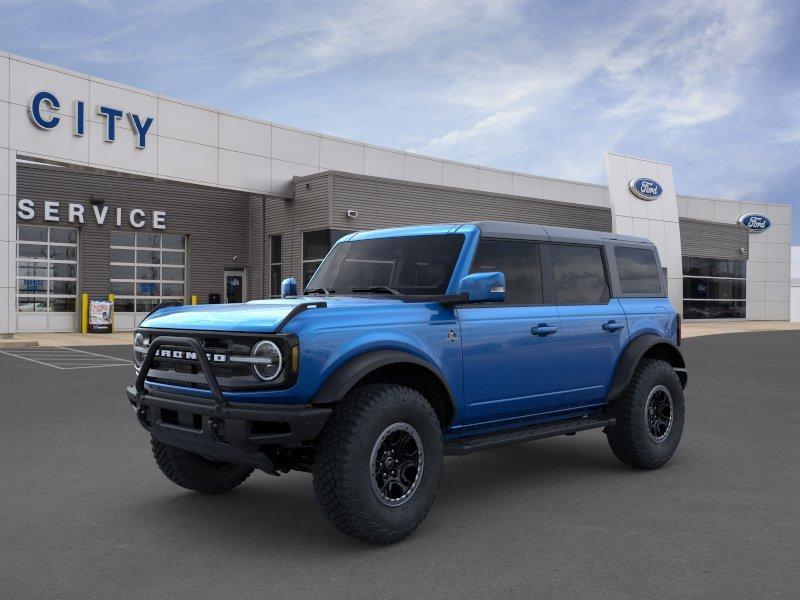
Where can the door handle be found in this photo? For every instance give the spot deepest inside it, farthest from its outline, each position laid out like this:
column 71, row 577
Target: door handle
column 543, row 329
column 613, row 326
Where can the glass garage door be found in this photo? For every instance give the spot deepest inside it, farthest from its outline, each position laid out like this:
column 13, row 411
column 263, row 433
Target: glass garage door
column 47, row 278
column 714, row 288
column 146, row 269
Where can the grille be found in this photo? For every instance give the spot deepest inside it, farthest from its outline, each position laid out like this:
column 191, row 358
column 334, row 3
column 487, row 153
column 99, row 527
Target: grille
column 187, row 372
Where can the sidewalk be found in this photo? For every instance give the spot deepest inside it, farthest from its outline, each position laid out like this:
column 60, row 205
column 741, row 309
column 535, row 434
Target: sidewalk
column 689, row 330
column 694, row 329
column 21, row 340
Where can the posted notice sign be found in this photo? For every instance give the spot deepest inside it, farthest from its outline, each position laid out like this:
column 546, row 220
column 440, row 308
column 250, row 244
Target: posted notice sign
column 100, row 316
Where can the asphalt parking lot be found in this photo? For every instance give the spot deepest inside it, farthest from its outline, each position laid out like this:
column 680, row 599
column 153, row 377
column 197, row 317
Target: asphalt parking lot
column 86, row 513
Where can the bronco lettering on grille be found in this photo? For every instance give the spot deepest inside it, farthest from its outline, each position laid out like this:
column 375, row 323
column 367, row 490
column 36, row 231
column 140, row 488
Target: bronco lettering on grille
column 187, row 355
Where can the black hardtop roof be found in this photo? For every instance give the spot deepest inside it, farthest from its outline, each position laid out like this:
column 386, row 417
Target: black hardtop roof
column 527, row 231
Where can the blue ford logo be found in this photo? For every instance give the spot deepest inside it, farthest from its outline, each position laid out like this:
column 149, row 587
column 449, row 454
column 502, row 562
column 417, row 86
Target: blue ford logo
column 755, row 222
column 646, row 189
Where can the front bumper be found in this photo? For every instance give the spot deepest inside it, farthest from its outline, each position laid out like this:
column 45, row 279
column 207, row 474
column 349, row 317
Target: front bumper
column 233, row 433
column 216, row 429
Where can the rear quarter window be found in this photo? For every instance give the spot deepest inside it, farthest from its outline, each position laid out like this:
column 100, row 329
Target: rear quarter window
column 638, row 270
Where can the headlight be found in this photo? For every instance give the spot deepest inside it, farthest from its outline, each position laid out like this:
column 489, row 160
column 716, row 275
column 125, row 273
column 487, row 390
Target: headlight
column 267, row 361
column 139, row 350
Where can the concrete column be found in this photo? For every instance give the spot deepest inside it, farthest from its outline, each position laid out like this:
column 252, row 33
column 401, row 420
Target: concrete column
column 8, row 231
column 656, row 220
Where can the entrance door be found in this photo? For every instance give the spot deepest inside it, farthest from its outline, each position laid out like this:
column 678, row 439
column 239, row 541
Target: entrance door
column 235, row 286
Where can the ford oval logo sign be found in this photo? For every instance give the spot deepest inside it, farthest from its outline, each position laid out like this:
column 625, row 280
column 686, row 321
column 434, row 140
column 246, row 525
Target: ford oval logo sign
column 755, row 222
column 646, row 189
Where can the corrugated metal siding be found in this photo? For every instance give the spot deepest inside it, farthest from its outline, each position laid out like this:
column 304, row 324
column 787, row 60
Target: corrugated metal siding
column 214, row 219
column 713, row 240
column 389, row 203
column 256, row 249
column 308, row 211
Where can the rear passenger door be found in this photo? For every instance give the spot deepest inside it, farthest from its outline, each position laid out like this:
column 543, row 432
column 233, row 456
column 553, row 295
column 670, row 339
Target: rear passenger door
column 512, row 351
column 593, row 325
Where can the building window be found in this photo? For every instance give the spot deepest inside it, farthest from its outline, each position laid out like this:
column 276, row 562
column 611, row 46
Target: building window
column 47, row 269
column 714, row 288
column 275, row 261
column 147, row 269
column 315, row 246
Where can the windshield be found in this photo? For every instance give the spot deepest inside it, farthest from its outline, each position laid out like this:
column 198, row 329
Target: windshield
column 408, row 265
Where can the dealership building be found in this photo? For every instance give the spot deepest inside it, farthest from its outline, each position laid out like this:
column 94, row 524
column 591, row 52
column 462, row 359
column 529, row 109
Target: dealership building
column 107, row 189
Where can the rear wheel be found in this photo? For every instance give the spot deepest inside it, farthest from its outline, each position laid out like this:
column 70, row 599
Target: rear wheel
column 649, row 416
column 193, row 472
column 378, row 463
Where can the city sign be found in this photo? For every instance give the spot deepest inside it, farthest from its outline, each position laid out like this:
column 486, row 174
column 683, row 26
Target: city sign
column 44, row 108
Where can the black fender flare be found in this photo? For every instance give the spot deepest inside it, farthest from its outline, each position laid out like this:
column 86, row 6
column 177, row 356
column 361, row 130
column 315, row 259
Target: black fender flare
column 633, row 354
column 349, row 374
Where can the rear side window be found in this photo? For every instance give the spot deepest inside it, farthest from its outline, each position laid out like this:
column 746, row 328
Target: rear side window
column 579, row 274
column 519, row 262
column 638, row 270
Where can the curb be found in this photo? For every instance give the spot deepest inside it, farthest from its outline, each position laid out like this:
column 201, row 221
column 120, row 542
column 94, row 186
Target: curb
column 18, row 344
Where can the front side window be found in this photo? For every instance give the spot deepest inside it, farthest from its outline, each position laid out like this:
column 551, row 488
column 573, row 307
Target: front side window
column 638, row 270
column 519, row 262
column 411, row 265
column 579, row 274
column 147, row 269
column 47, row 269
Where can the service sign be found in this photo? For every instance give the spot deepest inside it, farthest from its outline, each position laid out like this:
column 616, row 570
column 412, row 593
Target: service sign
column 646, row 189
column 100, row 316
column 754, row 222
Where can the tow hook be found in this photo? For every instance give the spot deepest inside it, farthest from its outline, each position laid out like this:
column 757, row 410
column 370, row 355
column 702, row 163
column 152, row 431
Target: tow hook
column 143, row 414
column 217, row 428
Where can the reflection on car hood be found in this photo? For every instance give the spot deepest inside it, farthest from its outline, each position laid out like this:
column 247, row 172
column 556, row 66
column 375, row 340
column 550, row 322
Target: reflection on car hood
column 259, row 316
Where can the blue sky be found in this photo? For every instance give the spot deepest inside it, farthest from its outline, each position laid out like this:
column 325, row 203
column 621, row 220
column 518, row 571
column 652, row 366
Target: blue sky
column 712, row 87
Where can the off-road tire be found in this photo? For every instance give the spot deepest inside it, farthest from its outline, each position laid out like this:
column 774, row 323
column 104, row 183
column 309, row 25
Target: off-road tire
column 628, row 438
column 193, row 472
column 343, row 466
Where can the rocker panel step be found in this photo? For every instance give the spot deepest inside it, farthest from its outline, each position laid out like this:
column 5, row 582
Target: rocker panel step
column 467, row 445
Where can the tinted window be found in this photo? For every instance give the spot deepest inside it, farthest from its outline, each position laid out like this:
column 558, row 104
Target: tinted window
column 638, row 270
column 409, row 264
column 519, row 262
column 579, row 274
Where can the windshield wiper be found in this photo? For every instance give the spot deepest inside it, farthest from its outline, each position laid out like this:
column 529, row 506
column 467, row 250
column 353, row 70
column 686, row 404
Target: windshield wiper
column 377, row 289
column 324, row 291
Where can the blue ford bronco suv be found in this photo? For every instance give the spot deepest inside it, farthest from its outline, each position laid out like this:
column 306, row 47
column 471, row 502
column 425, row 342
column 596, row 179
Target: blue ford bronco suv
column 409, row 344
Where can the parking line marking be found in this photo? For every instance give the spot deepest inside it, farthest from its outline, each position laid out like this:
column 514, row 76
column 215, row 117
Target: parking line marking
column 66, row 359
column 31, row 360
column 95, row 354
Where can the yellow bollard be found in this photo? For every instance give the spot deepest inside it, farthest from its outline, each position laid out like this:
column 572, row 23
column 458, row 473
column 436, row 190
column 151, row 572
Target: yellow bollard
column 113, row 312
column 84, row 313
column 194, row 299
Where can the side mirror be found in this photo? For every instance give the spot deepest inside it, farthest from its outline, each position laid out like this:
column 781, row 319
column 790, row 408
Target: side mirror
column 288, row 287
column 483, row 287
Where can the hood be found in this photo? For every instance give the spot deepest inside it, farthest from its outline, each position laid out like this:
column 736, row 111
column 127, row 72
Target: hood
column 258, row 316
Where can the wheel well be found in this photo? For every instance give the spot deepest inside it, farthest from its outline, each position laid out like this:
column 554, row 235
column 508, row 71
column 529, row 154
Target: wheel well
column 668, row 353
column 418, row 378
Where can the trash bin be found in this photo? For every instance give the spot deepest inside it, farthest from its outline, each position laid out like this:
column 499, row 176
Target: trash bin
column 214, row 298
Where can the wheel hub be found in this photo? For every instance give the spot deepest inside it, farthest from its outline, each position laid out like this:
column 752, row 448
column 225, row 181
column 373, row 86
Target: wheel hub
column 396, row 464
column 658, row 411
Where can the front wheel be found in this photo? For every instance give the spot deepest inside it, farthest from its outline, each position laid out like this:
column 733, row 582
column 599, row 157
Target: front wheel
column 193, row 472
column 649, row 416
column 378, row 463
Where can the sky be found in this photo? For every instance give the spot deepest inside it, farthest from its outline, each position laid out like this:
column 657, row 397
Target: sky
column 712, row 87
